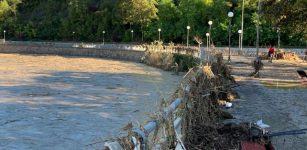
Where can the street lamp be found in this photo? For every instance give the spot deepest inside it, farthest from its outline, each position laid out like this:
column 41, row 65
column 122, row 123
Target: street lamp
column 132, row 35
column 159, row 30
column 4, row 36
column 208, row 35
column 230, row 15
column 278, row 32
column 210, row 23
column 240, row 37
column 103, row 32
column 73, row 35
column 188, row 29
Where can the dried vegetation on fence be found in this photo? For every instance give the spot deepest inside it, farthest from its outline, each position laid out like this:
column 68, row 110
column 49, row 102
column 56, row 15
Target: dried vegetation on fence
column 171, row 58
column 203, row 116
column 202, row 113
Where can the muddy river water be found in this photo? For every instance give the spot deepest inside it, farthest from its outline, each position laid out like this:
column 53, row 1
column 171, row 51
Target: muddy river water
column 53, row 102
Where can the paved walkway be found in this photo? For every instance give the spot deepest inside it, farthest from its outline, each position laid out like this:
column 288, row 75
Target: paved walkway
column 277, row 97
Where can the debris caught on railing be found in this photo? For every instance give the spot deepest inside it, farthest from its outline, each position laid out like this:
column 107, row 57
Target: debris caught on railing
column 228, row 105
column 196, row 103
column 262, row 125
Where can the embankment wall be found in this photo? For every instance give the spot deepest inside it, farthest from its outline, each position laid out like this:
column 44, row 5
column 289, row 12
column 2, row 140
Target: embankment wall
column 130, row 55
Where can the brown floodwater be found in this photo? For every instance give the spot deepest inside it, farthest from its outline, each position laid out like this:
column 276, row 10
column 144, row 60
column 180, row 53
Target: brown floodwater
column 54, row 102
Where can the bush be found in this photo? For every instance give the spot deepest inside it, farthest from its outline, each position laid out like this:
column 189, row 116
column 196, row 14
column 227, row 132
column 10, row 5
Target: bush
column 159, row 59
column 169, row 61
column 185, row 62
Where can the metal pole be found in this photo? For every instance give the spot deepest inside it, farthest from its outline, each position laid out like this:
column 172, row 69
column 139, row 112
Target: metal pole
column 4, row 35
column 131, row 35
column 242, row 23
column 188, row 38
column 159, row 35
column 207, row 44
column 209, row 37
column 229, row 39
column 257, row 44
column 208, row 49
column 103, row 39
column 239, row 41
column 73, row 36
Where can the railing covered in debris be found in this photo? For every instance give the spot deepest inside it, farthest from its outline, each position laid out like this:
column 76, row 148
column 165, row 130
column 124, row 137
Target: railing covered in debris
column 144, row 137
column 140, row 137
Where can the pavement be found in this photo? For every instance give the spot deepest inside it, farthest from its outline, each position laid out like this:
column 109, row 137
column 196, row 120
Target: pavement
column 277, row 97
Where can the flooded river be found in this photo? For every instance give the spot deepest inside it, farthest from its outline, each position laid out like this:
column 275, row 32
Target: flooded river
column 53, row 102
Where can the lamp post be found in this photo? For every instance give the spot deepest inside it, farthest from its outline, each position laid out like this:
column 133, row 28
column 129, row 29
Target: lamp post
column 278, row 32
column 73, row 35
column 210, row 23
column 230, row 15
column 188, row 29
column 131, row 35
column 4, row 36
column 159, row 30
column 240, row 38
column 103, row 32
column 208, row 35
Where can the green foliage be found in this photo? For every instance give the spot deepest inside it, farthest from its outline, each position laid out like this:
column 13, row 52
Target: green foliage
column 8, row 6
column 4, row 8
column 136, row 11
column 84, row 20
column 185, row 62
column 169, row 61
column 288, row 16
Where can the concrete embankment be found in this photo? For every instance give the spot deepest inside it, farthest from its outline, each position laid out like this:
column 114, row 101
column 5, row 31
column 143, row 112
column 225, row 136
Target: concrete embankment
column 51, row 49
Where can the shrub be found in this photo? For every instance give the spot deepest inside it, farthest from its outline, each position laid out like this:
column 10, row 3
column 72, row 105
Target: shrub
column 185, row 62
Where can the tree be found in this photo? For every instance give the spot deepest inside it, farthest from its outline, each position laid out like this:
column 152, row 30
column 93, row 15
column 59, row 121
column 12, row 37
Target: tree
column 287, row 14
column 139, row 12
column 57, row 20
column 4, row 8
column 13, row 4
column 8, row 6
column 168, row 14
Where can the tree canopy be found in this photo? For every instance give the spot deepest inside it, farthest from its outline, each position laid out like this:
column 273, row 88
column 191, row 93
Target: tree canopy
column 287, row 15
column 85, row 20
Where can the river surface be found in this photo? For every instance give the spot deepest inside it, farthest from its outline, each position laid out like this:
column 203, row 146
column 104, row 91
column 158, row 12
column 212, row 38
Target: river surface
column 53, row 102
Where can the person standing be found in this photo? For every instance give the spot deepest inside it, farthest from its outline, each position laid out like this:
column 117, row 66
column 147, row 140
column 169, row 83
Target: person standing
column 271, row 53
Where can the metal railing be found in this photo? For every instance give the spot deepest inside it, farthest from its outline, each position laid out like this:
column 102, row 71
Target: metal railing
column 140, row 136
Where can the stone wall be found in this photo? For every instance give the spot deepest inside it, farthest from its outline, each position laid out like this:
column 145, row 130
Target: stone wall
column 130, row 55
